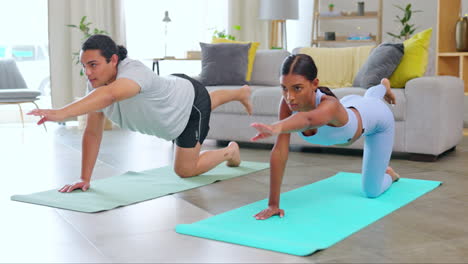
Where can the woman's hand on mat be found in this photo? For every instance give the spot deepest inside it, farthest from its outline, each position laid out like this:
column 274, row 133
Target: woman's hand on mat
column 264, row 131
column 77, row 185
column 269, row 212
column 48, row 115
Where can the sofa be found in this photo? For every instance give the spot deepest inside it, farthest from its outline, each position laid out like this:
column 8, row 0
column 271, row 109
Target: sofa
column 428, row 113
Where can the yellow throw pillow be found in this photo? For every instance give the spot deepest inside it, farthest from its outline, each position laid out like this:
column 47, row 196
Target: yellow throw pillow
column 414, row 61
column 251, row 56
column 337, row 67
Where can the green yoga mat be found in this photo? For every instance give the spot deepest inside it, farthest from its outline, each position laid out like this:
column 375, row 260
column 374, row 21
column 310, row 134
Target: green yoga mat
column 134, row 187
column 316, row 216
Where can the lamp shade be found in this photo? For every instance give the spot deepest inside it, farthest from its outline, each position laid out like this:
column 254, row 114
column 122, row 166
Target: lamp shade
column 166, row 17
column 278, row 9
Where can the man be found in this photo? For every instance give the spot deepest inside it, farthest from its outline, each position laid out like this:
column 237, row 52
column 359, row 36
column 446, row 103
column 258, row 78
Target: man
column 134, row 97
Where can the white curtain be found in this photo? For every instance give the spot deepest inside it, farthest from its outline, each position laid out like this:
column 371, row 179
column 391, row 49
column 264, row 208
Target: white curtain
column 245, row 13
column 65, row 80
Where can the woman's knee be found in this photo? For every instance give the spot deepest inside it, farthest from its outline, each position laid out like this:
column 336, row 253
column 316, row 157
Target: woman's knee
column 372, row 192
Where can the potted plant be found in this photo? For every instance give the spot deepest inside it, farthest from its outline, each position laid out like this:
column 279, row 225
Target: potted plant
column 85, row 29
column 406, row 28
column 222, row 34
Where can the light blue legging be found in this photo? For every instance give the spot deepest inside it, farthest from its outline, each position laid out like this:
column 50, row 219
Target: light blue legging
column 379, row 125
column 379, row 129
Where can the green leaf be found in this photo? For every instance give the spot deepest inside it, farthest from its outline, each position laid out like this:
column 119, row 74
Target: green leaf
column 399, row 7
column 408, row 15
column 407, row 28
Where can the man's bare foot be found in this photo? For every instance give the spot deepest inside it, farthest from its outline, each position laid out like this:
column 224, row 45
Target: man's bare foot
column 389, row 95
column 245, row 98
column 395, row 176
column 235, row 159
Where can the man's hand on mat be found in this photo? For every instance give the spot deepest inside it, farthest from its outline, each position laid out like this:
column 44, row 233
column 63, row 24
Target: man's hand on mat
column 263, row 131
column 48, row 115
column 77, row 185
column 269, row 212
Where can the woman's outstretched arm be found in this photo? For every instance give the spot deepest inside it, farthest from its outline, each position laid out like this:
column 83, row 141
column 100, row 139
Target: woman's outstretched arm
column 322, row 115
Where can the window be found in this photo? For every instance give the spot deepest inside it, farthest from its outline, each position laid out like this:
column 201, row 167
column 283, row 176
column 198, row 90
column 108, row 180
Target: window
column 26, row 42
column 191, row 22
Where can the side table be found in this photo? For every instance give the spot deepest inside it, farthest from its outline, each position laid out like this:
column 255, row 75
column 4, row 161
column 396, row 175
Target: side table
column 157, row 60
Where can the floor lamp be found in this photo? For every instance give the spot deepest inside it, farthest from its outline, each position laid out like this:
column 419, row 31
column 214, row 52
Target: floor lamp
column 278, row 11
column 166, row 20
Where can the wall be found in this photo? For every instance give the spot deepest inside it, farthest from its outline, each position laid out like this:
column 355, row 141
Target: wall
column 299, row 31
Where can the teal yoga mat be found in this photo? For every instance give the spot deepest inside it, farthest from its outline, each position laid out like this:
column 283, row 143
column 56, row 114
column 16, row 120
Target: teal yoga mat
column 134, row 187
column 316, row 216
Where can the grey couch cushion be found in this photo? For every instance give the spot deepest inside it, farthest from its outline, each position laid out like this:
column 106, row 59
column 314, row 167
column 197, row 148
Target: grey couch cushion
column 18, row 95
column 266, row 69
column 224, row 63
column 12, row 85
column 10, row 76
column 261, row 99
column 381, row 63
column 266, row 99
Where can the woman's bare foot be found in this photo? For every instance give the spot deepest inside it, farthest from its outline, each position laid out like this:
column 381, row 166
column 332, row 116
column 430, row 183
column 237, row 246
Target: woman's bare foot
column 245, row 98
column 395, row 176
column 235, row 159
column 389, row 95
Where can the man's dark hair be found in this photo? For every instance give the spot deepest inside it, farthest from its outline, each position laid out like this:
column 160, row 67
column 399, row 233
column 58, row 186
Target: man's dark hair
column 304, row 65
column 106, row 45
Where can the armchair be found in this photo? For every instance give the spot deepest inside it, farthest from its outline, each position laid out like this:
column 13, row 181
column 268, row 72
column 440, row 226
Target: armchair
column 13, row 89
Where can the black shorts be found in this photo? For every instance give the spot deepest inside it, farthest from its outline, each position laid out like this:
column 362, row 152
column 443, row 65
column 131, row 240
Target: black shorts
column 199, row 122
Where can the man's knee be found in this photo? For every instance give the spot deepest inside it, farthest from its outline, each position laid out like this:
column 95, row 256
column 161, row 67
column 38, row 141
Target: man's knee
column 184, row 172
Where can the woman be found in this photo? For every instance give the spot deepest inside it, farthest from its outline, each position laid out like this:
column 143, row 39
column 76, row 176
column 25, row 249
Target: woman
column 319, row 117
